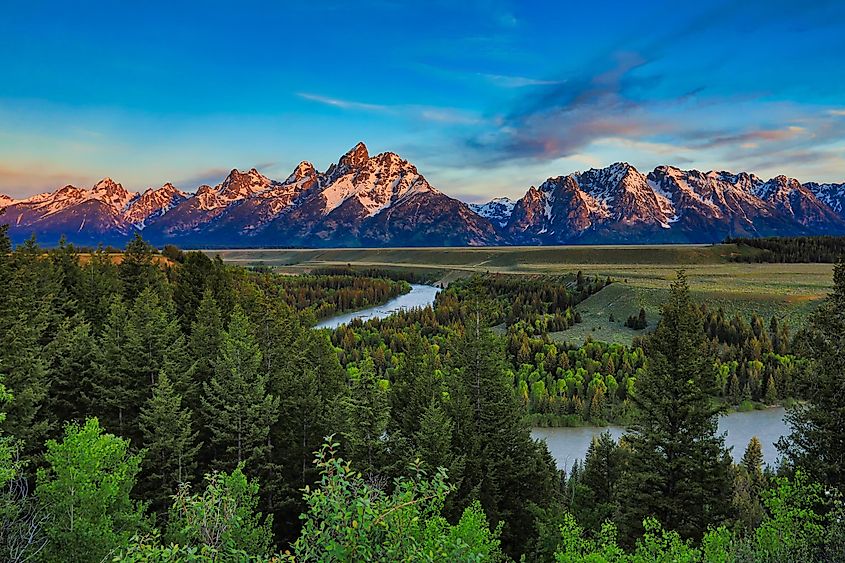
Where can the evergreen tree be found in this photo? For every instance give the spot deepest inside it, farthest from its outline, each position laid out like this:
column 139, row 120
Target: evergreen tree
column 749, row 485
column 603, row 466
column 416, row 384
column 138, row 269
column 503, row 467
column 236, row 406
column 367, row 414
column 71, row 369
column 99, row 285
column 206, row 339
column 114, row 392
column 816, row 442
column 678, row 466
column 170, row 443
column 433, row 441
column 734, row 391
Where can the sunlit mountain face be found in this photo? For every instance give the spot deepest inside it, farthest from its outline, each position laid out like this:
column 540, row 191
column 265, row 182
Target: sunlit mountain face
column 383, row 200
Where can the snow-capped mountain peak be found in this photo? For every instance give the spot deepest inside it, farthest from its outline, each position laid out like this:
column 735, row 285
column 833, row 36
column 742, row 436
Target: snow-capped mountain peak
column 240, row 185
column 154, row 202
column 303, row 170
column 498, row 210
column 110, row 192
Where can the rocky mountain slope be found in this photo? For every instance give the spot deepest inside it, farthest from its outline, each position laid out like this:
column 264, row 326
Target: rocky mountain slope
column 383, row 200
column 619, row 204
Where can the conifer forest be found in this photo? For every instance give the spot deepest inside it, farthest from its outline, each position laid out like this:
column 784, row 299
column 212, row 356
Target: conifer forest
column 167, row 406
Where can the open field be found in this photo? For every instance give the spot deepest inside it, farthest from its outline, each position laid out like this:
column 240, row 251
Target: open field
column 644, row 273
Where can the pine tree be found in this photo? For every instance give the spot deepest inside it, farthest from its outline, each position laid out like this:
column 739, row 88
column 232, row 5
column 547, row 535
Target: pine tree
column 503, row 467
column 749, row 484
column 734, row 391
column 170, row 443
column 206, row 339
column 415, row 385
column 138, row 270
column 601, row 475
column 678, row 466
column 367, row 415
column 771, row 391
column 114, row 394
column 71, row 370
column 815, row 443
column 433, row 441
column 99, row 285
column 236, row 406
column 752, row 462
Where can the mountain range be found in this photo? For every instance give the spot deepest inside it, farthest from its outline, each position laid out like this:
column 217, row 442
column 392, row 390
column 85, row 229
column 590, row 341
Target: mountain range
column 383, row 200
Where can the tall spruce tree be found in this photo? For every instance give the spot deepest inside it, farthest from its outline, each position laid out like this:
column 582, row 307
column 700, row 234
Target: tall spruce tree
column 138, row 269
column 205, row 341
column 71, row 370
column 365, row 427
column 678, row 467
column 416, row 384
column 99, row 285
column 601, row 475
column 114, row 394
column 170, row 443
column 816, row 443
column 236, row 407
column 502, row 467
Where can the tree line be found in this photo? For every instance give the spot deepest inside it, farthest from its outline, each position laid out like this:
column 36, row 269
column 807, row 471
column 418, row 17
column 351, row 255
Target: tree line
column 790, row 249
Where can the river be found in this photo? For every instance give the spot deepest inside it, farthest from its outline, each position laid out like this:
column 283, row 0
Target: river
column 569, row 444
column 419, row 296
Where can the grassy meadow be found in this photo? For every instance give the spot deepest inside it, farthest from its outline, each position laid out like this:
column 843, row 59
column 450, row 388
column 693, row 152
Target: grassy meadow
column 644, row 273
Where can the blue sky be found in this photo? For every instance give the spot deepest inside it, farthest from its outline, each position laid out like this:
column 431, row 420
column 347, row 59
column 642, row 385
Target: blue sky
column 486, row 97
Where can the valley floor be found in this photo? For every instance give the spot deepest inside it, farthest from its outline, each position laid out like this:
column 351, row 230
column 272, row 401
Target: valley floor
column 789, row 291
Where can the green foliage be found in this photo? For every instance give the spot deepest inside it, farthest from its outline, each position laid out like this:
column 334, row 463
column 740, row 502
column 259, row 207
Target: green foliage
column 677, row 468
column 815, row 443
column 349, row 520
column 86, row 489
column 365, row 422
column 170, row 443
column 236, row 406
column 223, row 518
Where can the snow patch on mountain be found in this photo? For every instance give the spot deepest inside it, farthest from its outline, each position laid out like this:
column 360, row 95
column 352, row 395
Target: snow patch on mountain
column 498, row 210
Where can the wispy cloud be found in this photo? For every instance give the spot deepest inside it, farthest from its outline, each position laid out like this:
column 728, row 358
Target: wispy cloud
column 509, row 81
column 437, row 114
column 207, row 176
column 343, row 104
column 18, row 182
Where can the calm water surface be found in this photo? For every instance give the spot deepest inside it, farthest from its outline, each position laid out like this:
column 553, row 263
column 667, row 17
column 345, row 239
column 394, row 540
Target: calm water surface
column 419, row 296
column 569, row 444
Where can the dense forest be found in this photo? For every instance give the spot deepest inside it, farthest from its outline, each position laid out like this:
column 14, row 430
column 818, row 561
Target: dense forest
column 186, row 410
column 828, row 249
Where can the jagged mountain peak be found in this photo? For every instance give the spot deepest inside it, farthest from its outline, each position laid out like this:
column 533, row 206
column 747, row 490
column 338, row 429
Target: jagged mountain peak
column 241, row 185
column 356, row 156
column 154, row 202
column 303, row 170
